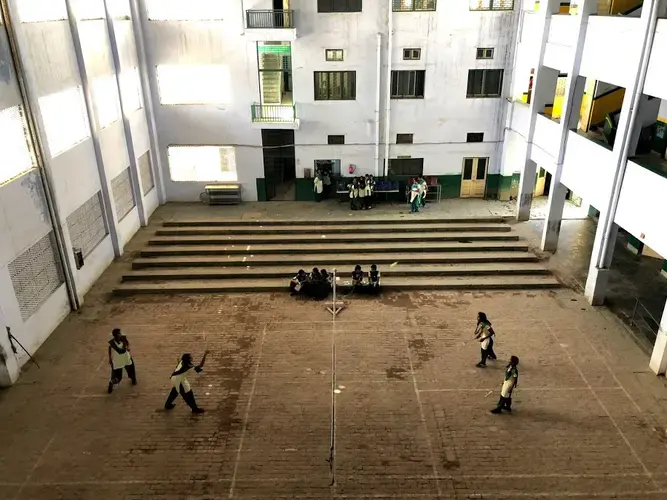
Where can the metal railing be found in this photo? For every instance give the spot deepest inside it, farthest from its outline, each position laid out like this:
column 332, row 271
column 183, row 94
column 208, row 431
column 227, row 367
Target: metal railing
column 642, row 319
column 270, row 18
column 273, row 113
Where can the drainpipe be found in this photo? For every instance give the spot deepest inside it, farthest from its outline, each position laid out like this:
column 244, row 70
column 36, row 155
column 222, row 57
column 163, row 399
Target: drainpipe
column 39, row 156
column 377, row 104
column 390, row 47
column 632, row 118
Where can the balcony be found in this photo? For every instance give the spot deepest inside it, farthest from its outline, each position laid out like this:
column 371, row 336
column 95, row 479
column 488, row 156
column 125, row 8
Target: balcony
column 270, row 25
column 274, row 116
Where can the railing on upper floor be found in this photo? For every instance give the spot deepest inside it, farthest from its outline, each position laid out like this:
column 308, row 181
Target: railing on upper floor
column 644, row 320
column 270, row 19
column 273, row 113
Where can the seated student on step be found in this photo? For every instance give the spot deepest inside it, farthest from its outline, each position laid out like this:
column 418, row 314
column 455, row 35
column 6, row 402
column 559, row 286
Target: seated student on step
column 320, row 288
column 358, row 279
column 374, row 280
column 296, row 283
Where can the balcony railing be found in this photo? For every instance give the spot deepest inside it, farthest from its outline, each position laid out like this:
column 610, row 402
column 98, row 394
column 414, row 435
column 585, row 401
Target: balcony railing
column 273, row 113
column 270, row 19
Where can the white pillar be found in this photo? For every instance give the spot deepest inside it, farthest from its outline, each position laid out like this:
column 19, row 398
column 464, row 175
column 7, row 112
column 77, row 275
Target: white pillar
column 552, row 223
column 526, row 188
column 598, row 276
column 537, row 102
column 658, row 363
column 605, row 236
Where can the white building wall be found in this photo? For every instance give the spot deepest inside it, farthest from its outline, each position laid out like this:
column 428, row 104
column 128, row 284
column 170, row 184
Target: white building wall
column 448, row 38
column 47, row 54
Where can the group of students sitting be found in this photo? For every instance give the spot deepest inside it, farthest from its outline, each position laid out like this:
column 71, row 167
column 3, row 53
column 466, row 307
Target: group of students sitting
column 362, row 192
column 318, row 283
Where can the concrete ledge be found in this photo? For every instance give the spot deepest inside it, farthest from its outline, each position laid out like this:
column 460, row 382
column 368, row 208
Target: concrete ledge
column 408, row 219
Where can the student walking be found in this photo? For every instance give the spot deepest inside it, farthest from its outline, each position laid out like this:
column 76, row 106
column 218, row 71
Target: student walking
column 510, row 382
column 119, row 359
column 182, row 386
column 414, row 197
column 485, row 334
column 318, row 187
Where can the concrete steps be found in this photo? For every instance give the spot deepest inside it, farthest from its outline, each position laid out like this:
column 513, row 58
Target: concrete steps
column 334, row 259
column 280, row 285
column 251, row 239
column 287, row 272
column 312, row 248
column 219, row 255
column 354, row 227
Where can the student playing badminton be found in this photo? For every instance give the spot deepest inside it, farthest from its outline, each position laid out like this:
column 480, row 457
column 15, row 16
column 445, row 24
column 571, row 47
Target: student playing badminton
column 182, row 386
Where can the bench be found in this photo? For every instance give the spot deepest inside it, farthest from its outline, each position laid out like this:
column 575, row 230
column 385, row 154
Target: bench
column 222, row 194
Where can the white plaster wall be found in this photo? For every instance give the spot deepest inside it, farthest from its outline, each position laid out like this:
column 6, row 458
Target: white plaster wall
column 656, row 75
column 587, row 169
column 547, row 134
column 641, row 207
column 95, row 263
column 128, row 227
column 514, row 153
column 520, row 122
column 114, row 149
column 612, row 44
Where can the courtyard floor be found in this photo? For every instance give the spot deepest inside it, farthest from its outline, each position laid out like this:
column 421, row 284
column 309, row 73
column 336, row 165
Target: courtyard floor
column 411, row 418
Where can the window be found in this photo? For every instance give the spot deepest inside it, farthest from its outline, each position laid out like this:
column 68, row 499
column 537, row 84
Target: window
column 130, row 89
column 407, row 84
column 542, row 173
column 412, row 54
column 202, row 163
column 338, row 6
column 404, row 138
column 406, row 166
column 105, row 96
column 191, row 84
column 335, row 85
column 336, row 139
column 34, row 11
column 475, row 137
column 16, row 157
column 491, row 4
column 485, row 53
column 410, row 5
column 333, row 54
column 178, row 10
column 485, row 82
column 65, row 119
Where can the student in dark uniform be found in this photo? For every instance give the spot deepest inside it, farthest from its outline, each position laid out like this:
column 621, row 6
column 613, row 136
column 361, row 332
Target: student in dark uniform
column 485, row 334
column 510, row 382
column 296, row 283
column 181, row 385
column 119, row 359
column 374, row 280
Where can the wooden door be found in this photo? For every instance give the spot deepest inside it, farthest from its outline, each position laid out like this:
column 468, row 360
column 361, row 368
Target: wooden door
column 473, row 178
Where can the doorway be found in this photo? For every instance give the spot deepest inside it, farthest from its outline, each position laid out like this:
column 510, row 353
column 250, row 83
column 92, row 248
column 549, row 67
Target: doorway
column 279, row 164
column 540, row 183
column 473, row 180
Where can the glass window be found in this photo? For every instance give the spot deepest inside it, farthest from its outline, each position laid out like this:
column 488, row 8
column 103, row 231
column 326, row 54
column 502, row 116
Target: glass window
column 335, row 85
column 338, row 6
column 410, row 5
column 481, row 168
column 202, row 163
column 16, row 157
column 105, row 95
column 467, row 169
column 333, row 54
column 65, row 119
column 190, row 84
column 491, row 4
column 408, row 84
column 485, row 82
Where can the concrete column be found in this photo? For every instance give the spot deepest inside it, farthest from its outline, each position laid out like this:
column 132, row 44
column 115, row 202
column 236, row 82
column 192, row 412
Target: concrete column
column 108, row 205
column 598, row 276
column 634, row 245
column 552, row 223
column 135, row 177
column 526, row 188
column 537, row 102
column 605, row 236
column 574, row 91
column 658, row 362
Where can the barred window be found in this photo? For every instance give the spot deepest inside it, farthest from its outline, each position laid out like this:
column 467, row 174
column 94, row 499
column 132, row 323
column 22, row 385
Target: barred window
column 336, row 139
column 333, row 54
column 485, row 82
column 491, row 4
column 335, row 85
column 411, row 5
column 408, row 84
column 485, row 53
column 338, row 6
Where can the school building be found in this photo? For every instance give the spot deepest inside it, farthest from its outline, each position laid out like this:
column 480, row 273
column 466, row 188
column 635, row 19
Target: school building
column 109, row 108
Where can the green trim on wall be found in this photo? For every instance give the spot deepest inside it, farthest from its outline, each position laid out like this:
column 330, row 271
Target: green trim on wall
column 508, row 186
column 303, row 190
column 635, row 243
column 261, row 189
column 493, row 182
column 593, row 212
column 451, row 185
column 664, row 266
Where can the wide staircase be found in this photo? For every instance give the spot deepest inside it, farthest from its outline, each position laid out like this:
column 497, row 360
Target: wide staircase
column 201, row 256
